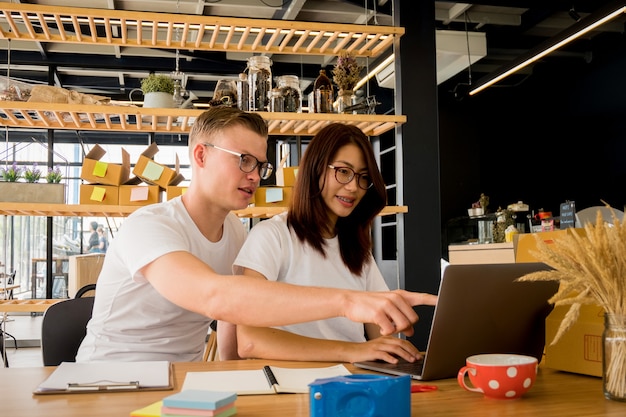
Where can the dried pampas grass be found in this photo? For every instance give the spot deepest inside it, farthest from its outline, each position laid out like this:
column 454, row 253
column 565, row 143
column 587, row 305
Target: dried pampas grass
column 591, row 269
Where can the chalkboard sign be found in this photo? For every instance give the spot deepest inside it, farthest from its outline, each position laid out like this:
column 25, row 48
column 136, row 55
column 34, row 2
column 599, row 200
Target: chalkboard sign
column 568, row 215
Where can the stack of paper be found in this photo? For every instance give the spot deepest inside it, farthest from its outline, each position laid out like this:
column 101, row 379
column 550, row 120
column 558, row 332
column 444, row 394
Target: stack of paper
column 191, row 403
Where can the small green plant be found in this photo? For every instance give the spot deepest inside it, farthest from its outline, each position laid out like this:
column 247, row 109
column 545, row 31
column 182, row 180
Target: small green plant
column 54, row 175
column 32, row 174
column 12, row 174
column 157, row 83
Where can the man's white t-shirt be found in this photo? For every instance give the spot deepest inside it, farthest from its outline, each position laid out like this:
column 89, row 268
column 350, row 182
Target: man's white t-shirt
column 131, row 321
column 276, row 252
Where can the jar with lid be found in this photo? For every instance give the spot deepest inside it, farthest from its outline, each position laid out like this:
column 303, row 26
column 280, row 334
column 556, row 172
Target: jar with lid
column 289, row 86
column 259, row 83
column 323, row 93
column 277, row 100
column 242, row 92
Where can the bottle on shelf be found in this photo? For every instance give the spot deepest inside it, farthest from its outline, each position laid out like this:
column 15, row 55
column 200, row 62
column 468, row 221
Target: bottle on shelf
column 323, row 94
column 242, row 92
column 259, row 83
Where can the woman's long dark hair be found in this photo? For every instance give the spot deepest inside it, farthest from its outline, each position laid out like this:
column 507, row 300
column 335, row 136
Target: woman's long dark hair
column 308, row 215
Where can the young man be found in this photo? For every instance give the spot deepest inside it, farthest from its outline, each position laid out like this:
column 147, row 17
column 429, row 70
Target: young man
column 166, row 274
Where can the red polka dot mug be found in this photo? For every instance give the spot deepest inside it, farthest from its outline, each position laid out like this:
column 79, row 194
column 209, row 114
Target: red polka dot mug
column 500, row 376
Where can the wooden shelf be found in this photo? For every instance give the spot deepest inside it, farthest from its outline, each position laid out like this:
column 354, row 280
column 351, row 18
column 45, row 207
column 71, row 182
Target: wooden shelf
column 35, row 115
column 82, row 210
column 113, row 28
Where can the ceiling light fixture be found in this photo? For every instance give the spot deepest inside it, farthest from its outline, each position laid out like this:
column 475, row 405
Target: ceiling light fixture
column 575, row 31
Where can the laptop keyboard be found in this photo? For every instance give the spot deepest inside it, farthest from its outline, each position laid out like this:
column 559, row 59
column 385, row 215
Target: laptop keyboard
column 413, row 368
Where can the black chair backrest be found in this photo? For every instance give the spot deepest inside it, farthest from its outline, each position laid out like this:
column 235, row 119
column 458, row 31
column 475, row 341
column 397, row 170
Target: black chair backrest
column 63, row 328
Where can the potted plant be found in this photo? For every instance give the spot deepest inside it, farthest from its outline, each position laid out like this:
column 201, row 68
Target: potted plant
column 158, row 90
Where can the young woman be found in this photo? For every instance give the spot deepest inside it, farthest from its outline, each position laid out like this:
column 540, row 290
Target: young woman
column 323, row 241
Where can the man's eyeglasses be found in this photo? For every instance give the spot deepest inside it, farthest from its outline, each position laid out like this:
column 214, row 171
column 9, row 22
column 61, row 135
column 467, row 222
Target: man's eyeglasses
column 344, row 175
column 247, row 162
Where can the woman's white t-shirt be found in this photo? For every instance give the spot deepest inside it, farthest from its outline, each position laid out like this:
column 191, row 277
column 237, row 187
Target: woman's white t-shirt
column 131, row 321
column 276, row 252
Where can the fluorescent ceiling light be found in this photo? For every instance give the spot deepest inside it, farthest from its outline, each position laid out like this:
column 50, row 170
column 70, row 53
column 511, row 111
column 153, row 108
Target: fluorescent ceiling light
column 575, row 31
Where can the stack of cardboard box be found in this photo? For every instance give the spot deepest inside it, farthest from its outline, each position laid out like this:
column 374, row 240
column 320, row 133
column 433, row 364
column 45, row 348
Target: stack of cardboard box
column 110, row 184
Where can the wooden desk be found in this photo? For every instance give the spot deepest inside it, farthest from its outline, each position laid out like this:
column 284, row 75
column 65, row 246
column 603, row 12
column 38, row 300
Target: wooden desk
column 554, row 394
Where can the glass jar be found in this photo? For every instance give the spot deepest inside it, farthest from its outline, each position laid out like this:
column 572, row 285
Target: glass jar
column 292, row 95
column 242, row 92
column 277, row 100
column 323, row 89
column 259, row 83
column 614, row 357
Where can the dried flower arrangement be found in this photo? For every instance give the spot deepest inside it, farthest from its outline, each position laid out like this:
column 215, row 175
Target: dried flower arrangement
column 347, row 71
column 591, row 269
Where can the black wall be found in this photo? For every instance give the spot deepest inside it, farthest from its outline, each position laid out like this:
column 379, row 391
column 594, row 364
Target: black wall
column 558, row 134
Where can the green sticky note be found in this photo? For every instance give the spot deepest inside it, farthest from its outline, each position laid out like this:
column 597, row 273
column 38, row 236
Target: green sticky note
column 152, row 171
column 98, row 194
column 100, row 169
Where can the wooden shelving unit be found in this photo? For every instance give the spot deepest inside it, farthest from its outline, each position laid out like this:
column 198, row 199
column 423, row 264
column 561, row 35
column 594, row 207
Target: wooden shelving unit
column 34, row 115
column 115, row 28
column 83, row 210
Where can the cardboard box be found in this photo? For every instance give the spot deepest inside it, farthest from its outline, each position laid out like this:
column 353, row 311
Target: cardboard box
column 580, row 349
column 99, row 194
column 83, row 270
column 95, row 171
column 173, row 191
column 286, row 176
column 273, row 196
column 526, row 243
column 154, row 173
column 139, row 195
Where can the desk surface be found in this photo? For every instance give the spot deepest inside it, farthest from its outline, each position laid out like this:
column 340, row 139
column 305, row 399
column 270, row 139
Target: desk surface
column 555, row 393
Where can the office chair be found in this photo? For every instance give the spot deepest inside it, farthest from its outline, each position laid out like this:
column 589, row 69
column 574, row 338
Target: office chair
column 64, row 326
column 3, row 335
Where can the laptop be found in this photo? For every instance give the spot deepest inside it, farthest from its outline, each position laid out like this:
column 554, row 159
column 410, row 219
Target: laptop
column 481, row 309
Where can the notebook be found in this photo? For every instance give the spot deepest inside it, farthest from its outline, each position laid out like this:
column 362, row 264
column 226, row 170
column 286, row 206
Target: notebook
column 481, row 309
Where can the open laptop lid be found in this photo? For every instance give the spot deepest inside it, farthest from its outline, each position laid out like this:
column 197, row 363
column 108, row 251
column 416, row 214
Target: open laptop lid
column 481, row 309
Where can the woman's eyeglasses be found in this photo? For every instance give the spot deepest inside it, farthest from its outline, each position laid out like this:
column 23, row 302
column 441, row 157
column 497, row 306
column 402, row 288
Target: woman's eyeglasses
column 247, row 162
column 344, row 175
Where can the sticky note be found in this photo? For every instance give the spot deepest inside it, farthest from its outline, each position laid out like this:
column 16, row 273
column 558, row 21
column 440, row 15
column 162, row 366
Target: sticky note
column 273, row 195
column 139, row 194
column 199, row 399
column 152, row 410
column 98, row 194
column 152, row 171
column 100, row 169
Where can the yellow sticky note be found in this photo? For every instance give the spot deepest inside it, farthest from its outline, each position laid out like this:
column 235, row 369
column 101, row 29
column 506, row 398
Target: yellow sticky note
column 98, row 194
column 152, row 171
column 100, row 169
column 152, row 410
column 139, row 194
column 184, row 190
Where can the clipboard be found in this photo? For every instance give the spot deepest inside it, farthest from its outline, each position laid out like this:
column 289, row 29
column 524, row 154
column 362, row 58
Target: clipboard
column 91, row 377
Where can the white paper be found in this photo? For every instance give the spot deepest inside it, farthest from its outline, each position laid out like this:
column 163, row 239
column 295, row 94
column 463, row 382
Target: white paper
column 249, row 382
column 148, row 374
